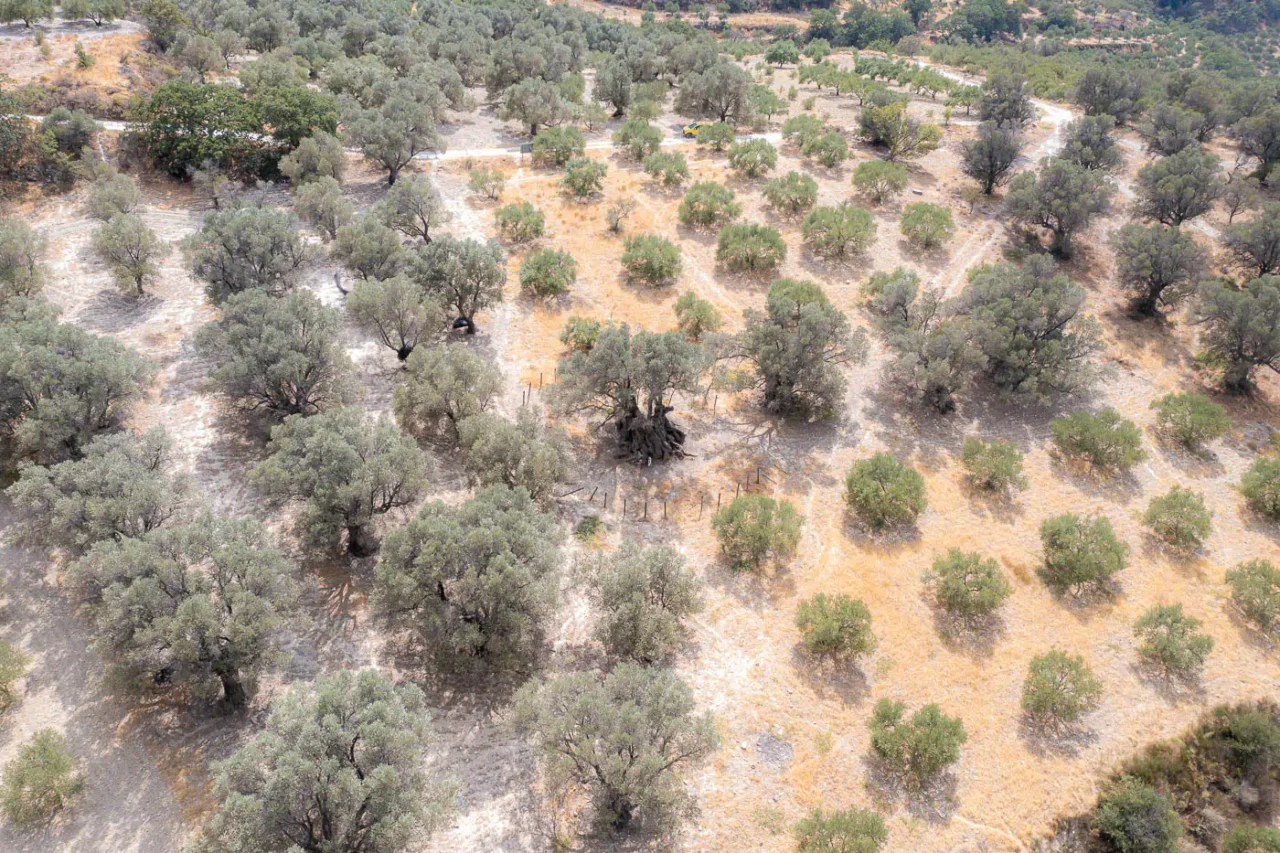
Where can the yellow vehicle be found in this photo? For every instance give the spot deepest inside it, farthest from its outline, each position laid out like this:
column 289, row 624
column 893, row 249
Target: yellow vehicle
column 691, row 129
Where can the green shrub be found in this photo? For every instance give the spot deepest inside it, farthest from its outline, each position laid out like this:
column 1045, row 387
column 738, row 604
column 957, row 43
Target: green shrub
column 836, row 627
column 852, row 831
column 1252, row 839
column 1193, row 419
column 917, row 749
column 792, row 193
column 966, row 585
column 1172, row 640
column 1255, row 590
column 520, row 222
column 695, row 317
column 639, row 138
column 557, row 145
column 587, row 529
column 548, row 272
column 37, row 783
column 487, row 182
column 838, row 232
column 584, row 177
column 883, row 492
column 651, row 259
column 708, row 203
column 1134, row 817
column 580, row 334
column 669, row 166
column 753, row 528
column 1080, row 552
column 752, row 157
column 927, row 225
column 718, row 136
column 1059, row 690
column 880, row 180
column 1260, row 486
column 830, row 149
column 995, row 465
column 13, row 665
column 1105, row 440
column 748, row 247
column 1180, row 518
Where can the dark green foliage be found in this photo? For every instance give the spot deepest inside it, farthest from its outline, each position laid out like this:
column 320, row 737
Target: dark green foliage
column 1089, row 143
column 1252, row 839
column 466, row 275
column 1063, row 197
column 623, row 737
column 533, row 102
column 749, row 247
column 989, row 158
column 966, row 585
column 341, row 766
column 1180, row 187
column 752, row 529
column 396, row 312
column 883, row 492
column 695, row 317
column 995, row 465
column 708, row 203
column 555, row 146
column 1254, row 245
column 21, row 248
column 752, row 157
column 852, row 831
column 1080, row 553
column 282, row 355
column 584, row 177
column 1260, row 486
column 1027, row 322
column 413, row 207
column 644, row 595
column 184, row 125
column 1255, row 590
column 121, row 488
column 652, row 260
column 520, row 222
column 1180, row 518
column 477, row 579
column 247, row 248
column 1169, row 128
column 918, row 748
column 722, row 91
column 838, row 232
column 525, row 453
column 40, row 780
column 903, row 136
column 347, row 470
column 830, row 150
column 443, row 386
column 1059, row 690
column 1172, row 641
column 369, row 248
column 835, row 627
column 1158, row 264
column 1105, row 440
column 792, row 193
column 1134, row 817
column 1193, row 419
column 319, row 155
column 797, row 346
column 1240, row 328
column 580, row 333
column 1006, row 99
column 639, row 138
column 202, row 602
column 718, row 136
column 1109, row 91
column 548, row 272
column 668, row 166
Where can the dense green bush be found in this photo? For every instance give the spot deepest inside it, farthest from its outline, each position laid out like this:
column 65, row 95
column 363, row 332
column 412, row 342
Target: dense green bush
column 556, row 146
column 1260, row 486
column 584, row 177
column 644, row 595
column 927, row 225
column 1080, row 552
column 883, row 492
column 838, row 232
column 1134, row 817
column 13, row 665
column 880, row 180
column 754, row 528
column 638, row 137
column 580, row 334
column 1172, row 640
column 966, row 585
column 1105, row 440
column 749, row 247
column 1059, row 690
column 836, row 627
column 695, row 316
column 919, row 748
column 1193, row 419
column 650, row 259
column 708, row 203
column 40, row 780
column 1255, row 590
column 792, row 193
column 852, row 831
column 548, row 272
column 752, row 157
column 668, row 166
column 1180, row 518
column 995, row 466
column 520, row 222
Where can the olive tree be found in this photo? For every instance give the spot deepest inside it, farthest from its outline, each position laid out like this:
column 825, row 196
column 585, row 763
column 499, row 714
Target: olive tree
column 201, row 601
column 21, row 248
column 668, row 166
column 796, row 348
column 281, row 355
column 1193, row 419
column 622, row 738
column 369, row 248
column 722, row 90
column 1088, row 142
column 1080, row 553
column 927, row 225
column 989, row 157
column 477, row 578
column 321, row 203
column 1168, row 128
column 696, row 317
column 131, row 251
column 443, row 386
column 792, row 193
column 525, row 453
column 319, row 155
column 883, row 492
column 1182, row 186
column 1172, row 641
column 708, row 203
column 111, row 193
column 994, row 466
column 584, row 177
column 533, row 102
column 1063, row 197
column 548, row 272
column 1059, row 690
column 838, row 232
column 347, row 471
column 1006, row 99
column 644, row 594
column 1179, row 518
column 1255, row 591
column 558, row 145
column 40, row 781
column 750, row 247
column 520, row 222
column 1260, row 486
column 122, row 487
column 1254, row 245
column 752, row 529
column 835, row 627
column 1134, row 817
column 391, row 133
column 340, row 767
column 466, row 275
column 752, row 157
column 650, row 259
column 639, row 138
column 915, row 748
column 849, row 831
column 397, row 313
column 1107, row 441
column 13, row 666
column 247, row 248
column 967, row 586
column 880, row 180
column 413, row 207
column 1240, row 328
column 903, row 136
column 627, row 380
column 1158, row 264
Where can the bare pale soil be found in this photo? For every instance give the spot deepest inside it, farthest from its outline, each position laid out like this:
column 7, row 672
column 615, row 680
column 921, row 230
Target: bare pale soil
column 794, row 736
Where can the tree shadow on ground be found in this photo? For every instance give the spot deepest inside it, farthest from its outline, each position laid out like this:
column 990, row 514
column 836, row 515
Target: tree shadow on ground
column 844, row 680
column 112, row 312
column 935, row 802
column 1171, row 688
column 1066, row 741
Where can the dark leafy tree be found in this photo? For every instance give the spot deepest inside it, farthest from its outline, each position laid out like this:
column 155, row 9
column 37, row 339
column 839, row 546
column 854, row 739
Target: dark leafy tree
column 882, row 492
column 835, row 627
column 1107, row 441
column 413, row 207
column 1179, row 518
column 753, row 529
column 967, row 586
column 1134, row 817
column 369, row 248
column 1006, row 99
column 1089, row 143
column 1254, row 245
column 1240, row 328
column 201, row 601
column 1059, row 690
column 1080, row 553
column 1172, row 641
column 1109, row 91
column 1192, row 419
column 247, row 248
column 443, row 386
column 1180, row 187
column 622, row 738
column 340, row 767
column 397, row 313
column 1158, row 264
column 466, row 275
column 1063, row 197
column 989, row 158
column 548, row 272
column 916, row 748
column 644, row 593
column 478, row 578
